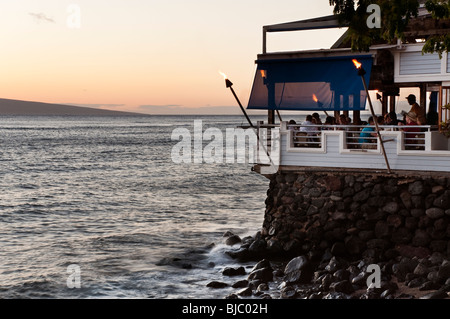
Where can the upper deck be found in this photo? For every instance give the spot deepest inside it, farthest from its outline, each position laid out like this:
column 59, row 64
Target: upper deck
column 345, row 148
column 325, row 81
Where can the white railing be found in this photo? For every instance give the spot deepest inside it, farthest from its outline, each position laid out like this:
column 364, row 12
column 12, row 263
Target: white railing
column 358, row 137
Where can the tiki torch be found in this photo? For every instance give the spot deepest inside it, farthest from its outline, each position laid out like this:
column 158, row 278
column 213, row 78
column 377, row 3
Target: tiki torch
column 362, row 73
column 319, row 104
column 266, row 83
column 229, row 85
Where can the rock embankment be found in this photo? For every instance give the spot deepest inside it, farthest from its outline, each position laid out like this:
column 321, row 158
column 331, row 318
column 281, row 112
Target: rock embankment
column 356, row 214
column 328, row 276
column 335, row 225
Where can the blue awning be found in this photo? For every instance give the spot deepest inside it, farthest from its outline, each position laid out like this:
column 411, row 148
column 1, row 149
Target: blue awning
column 315, row 84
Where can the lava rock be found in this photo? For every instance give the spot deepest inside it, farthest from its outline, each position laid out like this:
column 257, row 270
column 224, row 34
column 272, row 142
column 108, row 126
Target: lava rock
column 434, row 213
column 327, row 280
column 435, row 295
column 240, row 284
column 240, row 254
column 258, row 246
column 262, row 287
column 341, row 274
column 342, row 286
column 361, row 279
column 336, row 295
column 262, row 274
column 217, row 285
column 288, row 292
column 417, row 282
column 262, row 264
column 298, row 270
column 416, row 188
column 232, row 272
column 246, row 292
column 233, row 240
column 421, row 269
column 316, row 295
column 400, row 270
column 444, row 273
column 339, row 249
column 333, row 265
column 429, row 285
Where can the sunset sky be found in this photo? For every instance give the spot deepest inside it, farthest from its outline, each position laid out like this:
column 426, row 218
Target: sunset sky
column 144, row 55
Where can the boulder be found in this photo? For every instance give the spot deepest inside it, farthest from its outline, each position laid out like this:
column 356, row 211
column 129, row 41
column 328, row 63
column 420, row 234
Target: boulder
column 262, row 264
column 217, row 285
column 435, row 213
column 231, row 272
column 240, row 254
column 245, row 292
column 333, row 265
column 258, row 246
column 343, row 286
column 233, row 240
column 435, row 295
column 298, row 270
column 444, row 272
column 429, row 285
column 288, row 292
column 336, row 295
column 416, row 188
column 240, row 284
column 263, row 274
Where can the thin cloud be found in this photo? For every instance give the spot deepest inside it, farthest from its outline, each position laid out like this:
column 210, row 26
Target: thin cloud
column 96, row 105
column 160, row 106
column 41, row 17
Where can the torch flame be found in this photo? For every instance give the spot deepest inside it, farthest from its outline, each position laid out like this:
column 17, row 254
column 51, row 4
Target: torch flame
column 224, row 75
column 315, row 98
column 357, row 64
column 264, row 74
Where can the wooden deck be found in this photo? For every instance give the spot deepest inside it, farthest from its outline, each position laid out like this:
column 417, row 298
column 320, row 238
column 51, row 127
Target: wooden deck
column 429, row 151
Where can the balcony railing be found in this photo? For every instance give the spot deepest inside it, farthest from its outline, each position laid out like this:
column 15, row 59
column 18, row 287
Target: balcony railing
column 358, row 137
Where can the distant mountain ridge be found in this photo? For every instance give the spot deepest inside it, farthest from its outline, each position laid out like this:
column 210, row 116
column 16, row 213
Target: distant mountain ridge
column 17, row 107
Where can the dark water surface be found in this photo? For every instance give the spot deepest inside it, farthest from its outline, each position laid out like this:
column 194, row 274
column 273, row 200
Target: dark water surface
column 104, row 194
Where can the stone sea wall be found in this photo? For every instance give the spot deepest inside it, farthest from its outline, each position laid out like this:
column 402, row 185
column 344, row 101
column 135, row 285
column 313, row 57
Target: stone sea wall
column 323, row 231
column 356, row 215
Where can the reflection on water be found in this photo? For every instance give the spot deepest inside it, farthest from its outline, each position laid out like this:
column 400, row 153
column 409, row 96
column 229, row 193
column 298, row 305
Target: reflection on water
column 103, row 193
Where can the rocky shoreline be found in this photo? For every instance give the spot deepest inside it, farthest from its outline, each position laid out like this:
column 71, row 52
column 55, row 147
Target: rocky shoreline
column 330, row 235
column 406, row 272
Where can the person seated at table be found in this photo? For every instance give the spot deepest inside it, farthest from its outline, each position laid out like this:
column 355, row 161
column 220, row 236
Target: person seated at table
column 343, row 120
column 329, row 121
column 311, row 130
column 391, row 119
column 366, row 138
column 308, row 126
column 411, row 132
column 316, row 118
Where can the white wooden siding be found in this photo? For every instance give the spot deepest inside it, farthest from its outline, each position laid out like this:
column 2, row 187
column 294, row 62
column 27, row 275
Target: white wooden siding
column 412, row 66
column 448, row 63
column 333, row 155
column 415, row 63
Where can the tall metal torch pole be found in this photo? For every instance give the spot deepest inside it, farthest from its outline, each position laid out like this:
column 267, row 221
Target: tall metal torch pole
column 229, row 85
column 362, row 72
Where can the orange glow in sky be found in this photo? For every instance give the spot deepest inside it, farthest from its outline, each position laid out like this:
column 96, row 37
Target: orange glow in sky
column 143, row 56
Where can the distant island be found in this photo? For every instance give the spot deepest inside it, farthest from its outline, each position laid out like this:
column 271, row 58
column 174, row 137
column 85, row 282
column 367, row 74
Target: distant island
column 16, row 107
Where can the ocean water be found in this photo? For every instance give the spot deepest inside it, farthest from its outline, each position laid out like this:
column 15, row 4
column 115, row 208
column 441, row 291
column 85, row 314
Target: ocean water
column 96, row 208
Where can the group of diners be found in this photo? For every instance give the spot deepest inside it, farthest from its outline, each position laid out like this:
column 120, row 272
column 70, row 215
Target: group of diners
column 362, row 134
